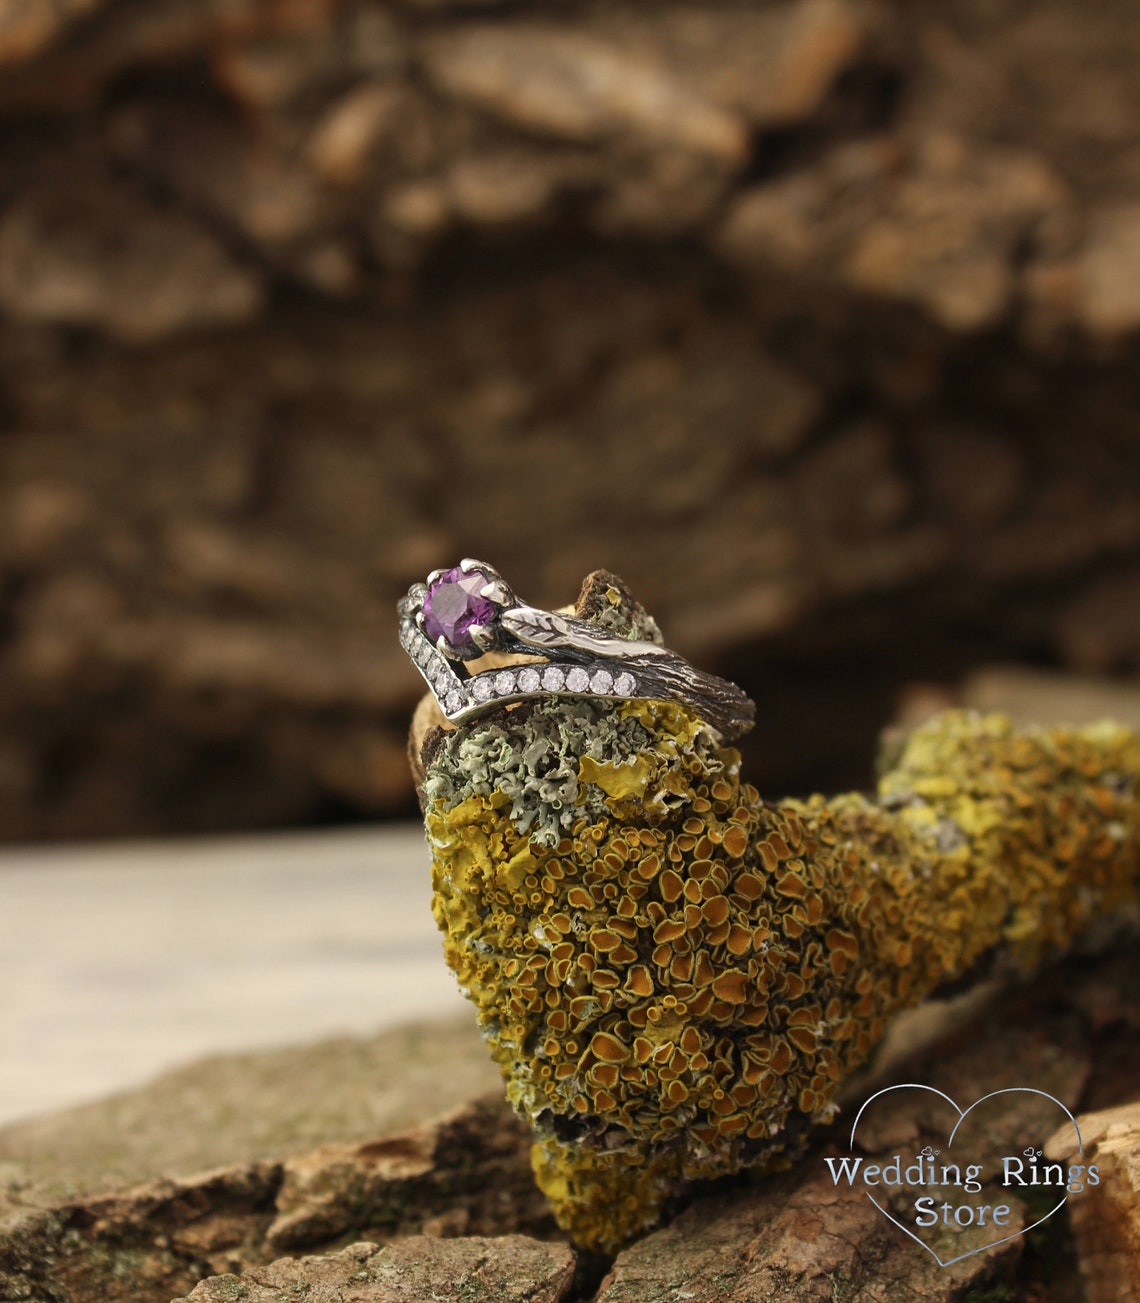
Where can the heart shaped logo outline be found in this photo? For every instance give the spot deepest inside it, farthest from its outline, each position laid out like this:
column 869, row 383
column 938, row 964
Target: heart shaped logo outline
column 962, row 1115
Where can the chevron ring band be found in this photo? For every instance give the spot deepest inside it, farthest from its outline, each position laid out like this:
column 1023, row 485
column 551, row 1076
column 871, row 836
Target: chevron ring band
column 463, row 613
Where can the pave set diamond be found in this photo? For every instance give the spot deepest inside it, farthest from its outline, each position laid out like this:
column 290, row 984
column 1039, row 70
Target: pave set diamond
column 459, row 697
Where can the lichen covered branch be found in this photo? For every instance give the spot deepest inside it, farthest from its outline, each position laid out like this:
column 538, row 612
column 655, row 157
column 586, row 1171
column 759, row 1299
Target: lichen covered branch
column 676, row 977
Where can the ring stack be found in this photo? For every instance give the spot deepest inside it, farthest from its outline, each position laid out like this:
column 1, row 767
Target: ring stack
column 463, row 613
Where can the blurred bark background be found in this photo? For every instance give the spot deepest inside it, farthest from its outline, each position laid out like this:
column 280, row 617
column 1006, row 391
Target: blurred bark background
column 814, row 319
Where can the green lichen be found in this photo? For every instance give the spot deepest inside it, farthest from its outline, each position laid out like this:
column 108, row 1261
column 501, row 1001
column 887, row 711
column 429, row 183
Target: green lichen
column 532, row 757
column 616, row 613
column 675, row 977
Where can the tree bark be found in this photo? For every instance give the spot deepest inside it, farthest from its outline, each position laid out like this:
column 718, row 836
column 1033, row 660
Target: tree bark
column 814, row 319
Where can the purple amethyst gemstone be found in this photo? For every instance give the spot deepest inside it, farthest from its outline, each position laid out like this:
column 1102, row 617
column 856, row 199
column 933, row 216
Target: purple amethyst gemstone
column 453, row 604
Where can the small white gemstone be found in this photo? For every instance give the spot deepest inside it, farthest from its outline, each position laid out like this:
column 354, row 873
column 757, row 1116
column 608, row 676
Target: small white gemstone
column 504, row 682
column 482, row 688
column 577, row 680
column 625, row 685
column 601, row 681
column 553, row 678
column 454, row 701
column 529, row 680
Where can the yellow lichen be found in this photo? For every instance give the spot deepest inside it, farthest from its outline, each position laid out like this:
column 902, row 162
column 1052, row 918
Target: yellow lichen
column 616, row 780
column 670, row 985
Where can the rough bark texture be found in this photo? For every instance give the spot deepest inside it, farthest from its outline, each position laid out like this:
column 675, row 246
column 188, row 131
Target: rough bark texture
column 75, row 1231
column 808, row 1241
column 814, row 319
column 1108, row 1236
column 238, row 1109
column 152, row 1241
column 511, row 1268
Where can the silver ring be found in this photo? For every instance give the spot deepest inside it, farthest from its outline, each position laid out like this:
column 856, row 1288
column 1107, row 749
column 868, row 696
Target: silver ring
column 462, row 613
